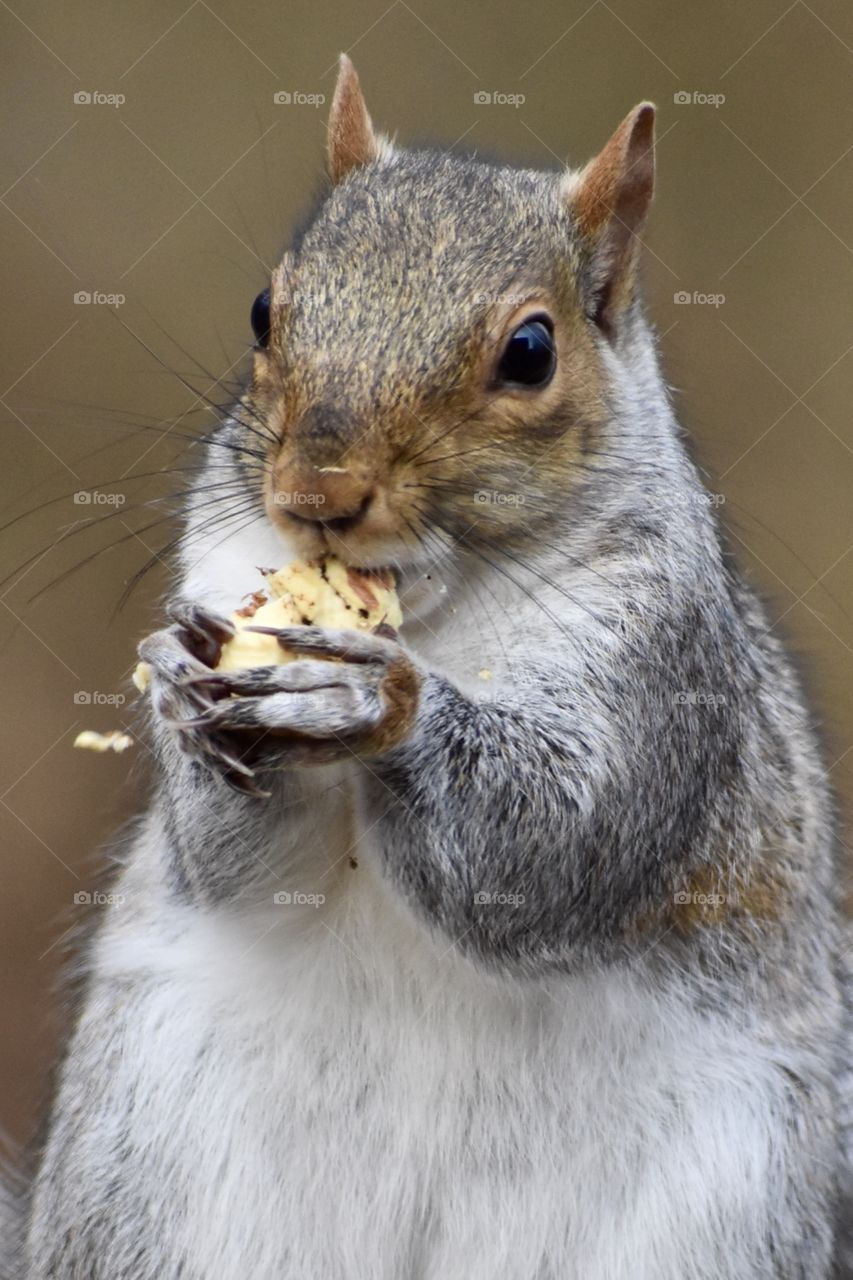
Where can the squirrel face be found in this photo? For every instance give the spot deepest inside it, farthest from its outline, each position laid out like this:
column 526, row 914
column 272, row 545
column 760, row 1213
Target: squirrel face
column 429, row 361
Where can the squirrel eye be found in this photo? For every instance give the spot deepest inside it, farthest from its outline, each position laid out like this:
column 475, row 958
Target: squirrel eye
column 261, row 318
column 529, row 358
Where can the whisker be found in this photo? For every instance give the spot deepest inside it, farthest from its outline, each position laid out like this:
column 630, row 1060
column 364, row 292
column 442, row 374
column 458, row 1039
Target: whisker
column 259, row 515
column 467, row 585
column 107, row 484
column 208, row 440
column 185, row 538
column 600, row 621
column 465, row 541
column 99, row 551
column 199, row 395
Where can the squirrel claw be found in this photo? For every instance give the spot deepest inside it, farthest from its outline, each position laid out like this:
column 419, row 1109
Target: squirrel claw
column 351, row 646
column 197, row 722
column 245, row 786
column 202, row 632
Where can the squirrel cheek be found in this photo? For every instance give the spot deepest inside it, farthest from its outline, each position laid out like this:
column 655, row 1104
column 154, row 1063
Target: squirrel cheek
column 400, row 692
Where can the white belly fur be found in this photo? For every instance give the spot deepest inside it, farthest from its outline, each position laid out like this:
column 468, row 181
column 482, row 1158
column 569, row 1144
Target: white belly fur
column 381, row 1110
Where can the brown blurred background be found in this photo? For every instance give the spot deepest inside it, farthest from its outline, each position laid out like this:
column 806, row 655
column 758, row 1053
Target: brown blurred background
column 181, row 195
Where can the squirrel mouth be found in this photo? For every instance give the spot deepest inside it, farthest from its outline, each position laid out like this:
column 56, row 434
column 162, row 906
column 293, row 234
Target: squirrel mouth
column 364, row 564
column 369, row 555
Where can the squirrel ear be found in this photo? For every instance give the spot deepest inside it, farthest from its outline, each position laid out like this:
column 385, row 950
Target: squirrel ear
column 351, row 138
column 609, row 200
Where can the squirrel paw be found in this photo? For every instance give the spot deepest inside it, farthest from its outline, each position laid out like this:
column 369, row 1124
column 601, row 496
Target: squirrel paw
column 176, row 656
column 313, row 710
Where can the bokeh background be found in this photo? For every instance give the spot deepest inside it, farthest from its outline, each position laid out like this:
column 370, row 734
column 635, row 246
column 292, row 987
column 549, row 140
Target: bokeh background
column 173, row 183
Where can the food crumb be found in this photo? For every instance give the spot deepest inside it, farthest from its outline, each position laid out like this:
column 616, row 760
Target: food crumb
column 255, row 600
column 484, row 673
column 115, row 740
column 142, row 676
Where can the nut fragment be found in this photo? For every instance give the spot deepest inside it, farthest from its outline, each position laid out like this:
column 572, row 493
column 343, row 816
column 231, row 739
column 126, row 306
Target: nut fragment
column 115, row 740
column 141, row 676
column 324, row 592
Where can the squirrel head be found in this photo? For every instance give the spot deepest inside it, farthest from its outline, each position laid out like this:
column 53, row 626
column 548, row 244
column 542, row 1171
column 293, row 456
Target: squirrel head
column 432, row 351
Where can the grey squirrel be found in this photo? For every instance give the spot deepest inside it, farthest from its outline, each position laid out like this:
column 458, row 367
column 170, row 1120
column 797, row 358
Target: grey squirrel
column 422, row 975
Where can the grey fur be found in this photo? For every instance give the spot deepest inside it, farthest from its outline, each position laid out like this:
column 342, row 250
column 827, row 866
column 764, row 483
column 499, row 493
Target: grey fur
column 598, row 785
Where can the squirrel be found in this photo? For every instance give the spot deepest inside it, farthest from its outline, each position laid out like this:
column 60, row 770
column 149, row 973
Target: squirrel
column 508, row 944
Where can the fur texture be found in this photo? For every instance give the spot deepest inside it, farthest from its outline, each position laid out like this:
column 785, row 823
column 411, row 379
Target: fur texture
column 548, row 989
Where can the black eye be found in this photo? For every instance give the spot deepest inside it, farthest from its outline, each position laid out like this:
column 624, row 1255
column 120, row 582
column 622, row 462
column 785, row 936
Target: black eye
column 529, row 357
column 261, row 318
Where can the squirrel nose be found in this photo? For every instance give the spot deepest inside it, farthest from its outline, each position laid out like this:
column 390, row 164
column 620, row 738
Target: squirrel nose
column 334, row 496
column 319, row 515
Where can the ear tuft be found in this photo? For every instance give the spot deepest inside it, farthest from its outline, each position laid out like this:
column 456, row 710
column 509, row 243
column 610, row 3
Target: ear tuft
column 609, row 200
column 352, row 140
